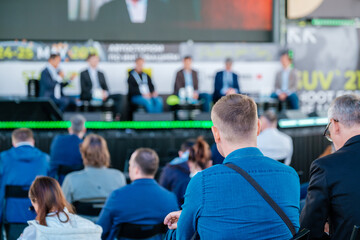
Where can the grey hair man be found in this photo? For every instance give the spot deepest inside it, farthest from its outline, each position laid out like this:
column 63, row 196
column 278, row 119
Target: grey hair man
column 334, row 189
column 65, row 151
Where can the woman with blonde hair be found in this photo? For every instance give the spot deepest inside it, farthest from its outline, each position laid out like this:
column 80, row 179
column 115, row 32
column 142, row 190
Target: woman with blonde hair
column 55, row 217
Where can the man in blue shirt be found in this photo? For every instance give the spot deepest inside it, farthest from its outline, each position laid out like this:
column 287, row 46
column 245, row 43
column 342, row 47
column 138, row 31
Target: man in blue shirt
column 19, row 166
column 65, row 149
column 141, row 202
column 226, row 82
column 219, row 202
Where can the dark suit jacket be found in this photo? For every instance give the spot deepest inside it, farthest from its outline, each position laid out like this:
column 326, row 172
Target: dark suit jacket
column 334, row 193
column 86, row 84
column 134, row 89
column 180, row 81
column 47, row 85
column 219, row 85
column 293, row 80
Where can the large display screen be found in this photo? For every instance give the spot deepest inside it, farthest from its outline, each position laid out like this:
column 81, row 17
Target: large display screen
column 137, row 20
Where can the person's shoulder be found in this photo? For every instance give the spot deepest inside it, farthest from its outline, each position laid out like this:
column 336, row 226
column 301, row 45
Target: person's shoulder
column 84, row 72
column 114, row 172
column 325, row 162
column 74, row 176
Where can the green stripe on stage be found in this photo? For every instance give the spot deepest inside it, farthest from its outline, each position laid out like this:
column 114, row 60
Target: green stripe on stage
column 110, row 125
column 283, row 123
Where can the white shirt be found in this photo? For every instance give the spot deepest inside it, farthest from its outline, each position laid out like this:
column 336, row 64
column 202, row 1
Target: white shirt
column 137, row 10
column 276, row 145
column 94, row 78
column 56, row 77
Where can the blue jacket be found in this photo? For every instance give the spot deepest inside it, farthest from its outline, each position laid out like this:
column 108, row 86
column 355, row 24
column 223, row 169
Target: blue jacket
column 19, row 166
column 64, row 150
column 219, row 85
column 47, row 85
column 141, row 202
column 221, row 204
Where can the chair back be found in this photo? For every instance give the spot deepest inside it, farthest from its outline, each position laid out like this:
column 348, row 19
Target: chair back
column 89, row 207
column 65, row 169
column 138, row 231
column 355, row 235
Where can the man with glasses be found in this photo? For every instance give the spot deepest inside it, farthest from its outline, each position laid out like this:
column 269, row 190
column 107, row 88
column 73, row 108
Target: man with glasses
column 334, row 188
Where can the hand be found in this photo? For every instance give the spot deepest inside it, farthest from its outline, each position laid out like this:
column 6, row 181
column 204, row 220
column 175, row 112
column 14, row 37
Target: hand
column 73, row 76
column 155, row 94
column 61, row 74
column 326, row 228
column 171, row 219
column 104, row 95
column 196, row 96
column 282, row 96
column 148, row 95
column 230, row 91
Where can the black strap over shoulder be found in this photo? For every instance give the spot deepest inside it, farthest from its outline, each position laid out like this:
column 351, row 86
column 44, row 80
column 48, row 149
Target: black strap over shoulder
column 265, row 195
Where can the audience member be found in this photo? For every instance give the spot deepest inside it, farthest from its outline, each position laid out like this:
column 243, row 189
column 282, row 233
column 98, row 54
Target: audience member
column 273, row 143
column 142, row 90
column 55, row 217
column 94, row 87
column 199, row 159
column 334, row 192
column 178, row 168
column 141, row 202
column 220, row 192
column 187, row 84
column 226, row 82
column 96, row 181
column 286, row 82
column 52, row 82
column 64, row 149
column 18, row 167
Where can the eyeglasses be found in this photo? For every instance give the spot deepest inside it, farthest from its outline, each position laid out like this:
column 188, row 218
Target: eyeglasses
column 327, row 132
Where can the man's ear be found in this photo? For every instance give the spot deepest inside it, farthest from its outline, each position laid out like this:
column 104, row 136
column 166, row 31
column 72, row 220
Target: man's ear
column 258, row 127
column 336, row 127
column 216, row 134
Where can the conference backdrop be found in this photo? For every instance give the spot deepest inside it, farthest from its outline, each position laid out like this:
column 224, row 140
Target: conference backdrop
column 137, row 20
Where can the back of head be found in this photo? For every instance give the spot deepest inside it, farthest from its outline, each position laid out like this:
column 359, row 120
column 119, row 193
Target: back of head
column 185, row 146
column 47, row 194
column 346, row 110
column 22, row 135
column 200, row 153
column 77, row 123
column 235, row 116
column 147, row 160
column 94, row 151
column 270, row 117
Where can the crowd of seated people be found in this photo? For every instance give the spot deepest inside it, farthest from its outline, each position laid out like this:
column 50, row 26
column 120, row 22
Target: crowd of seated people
column 248, row 196
column 142, row 88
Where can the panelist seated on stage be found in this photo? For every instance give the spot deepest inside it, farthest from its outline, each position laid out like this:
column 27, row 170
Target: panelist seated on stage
column 93, row 83
column 187, row 85
column 52, row 83
column 286, row 83
column 226, row 82
column 142, row 90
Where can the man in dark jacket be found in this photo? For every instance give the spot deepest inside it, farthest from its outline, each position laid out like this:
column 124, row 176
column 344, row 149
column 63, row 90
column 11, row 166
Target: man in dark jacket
column 141, row 89
column 334, row 190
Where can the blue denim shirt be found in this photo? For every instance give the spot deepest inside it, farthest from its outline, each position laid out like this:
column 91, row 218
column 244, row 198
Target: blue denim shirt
column 221, row 204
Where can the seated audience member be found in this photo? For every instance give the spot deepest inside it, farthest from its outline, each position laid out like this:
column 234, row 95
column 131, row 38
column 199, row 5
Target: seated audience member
column 219, row 202
column 334, row 190
column 187, row 85
column 96, row 181
column 226, row 82
column 141, row 202
column 52, row 83
column 55, row 217
column 199, row 159
column 94, row 87
column 178, row 168
column 273, row 143
column 286, row 83
column 141, row 89
column 64, row 150
column 18, row 167
column 215, row 155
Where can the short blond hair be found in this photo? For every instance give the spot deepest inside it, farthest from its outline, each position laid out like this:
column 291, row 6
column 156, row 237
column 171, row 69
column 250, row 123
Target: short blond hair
column 94, row 151
column 235, row 116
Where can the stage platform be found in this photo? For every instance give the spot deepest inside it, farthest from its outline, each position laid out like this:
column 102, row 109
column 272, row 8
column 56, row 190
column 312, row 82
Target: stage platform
column 166, row 137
